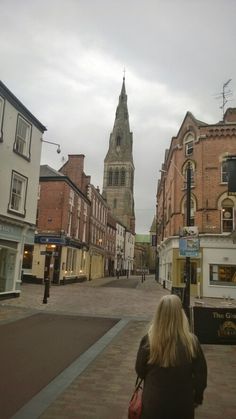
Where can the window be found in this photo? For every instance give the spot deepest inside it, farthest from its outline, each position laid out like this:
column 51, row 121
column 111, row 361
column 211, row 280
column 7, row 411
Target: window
column 189, row 145
column 224, row 173
column 227, row 216
column 189, row 163
column 122, row 177
column 110, row 177
column 18, row 193
column 192, row 212
column 71, row 260
column 116, row 179
column 23, row 134
column 223, row 274
column 115, row 204
column 1, row 117
column 28, row 256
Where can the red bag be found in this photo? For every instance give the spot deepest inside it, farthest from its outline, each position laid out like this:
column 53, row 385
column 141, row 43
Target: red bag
column 135, row 404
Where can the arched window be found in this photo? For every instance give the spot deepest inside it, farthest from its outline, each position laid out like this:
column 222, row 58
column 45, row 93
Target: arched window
column 122, row 177
column 110, row 177
column 192, row 211
column 227, row 215
column 188, row 142
column 192, row 169
column 116, row 177
column 115, row 203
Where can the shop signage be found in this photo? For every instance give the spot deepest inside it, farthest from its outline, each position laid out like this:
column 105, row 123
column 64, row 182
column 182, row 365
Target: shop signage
column 49, row 240
column 189, row 242
column 215, row 325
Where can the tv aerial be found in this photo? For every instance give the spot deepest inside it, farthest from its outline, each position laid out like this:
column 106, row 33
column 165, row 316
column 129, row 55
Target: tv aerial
column 224, row 96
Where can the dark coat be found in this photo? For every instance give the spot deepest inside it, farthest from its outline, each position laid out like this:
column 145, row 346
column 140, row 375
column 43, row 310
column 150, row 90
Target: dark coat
column 171, row 392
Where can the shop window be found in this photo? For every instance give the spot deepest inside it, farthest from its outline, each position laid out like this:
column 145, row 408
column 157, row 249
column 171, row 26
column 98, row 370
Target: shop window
column 71, row 261
column 23, row 136
column 222, row 274
column 193, row 271
column 227, row 216
column 28, row 257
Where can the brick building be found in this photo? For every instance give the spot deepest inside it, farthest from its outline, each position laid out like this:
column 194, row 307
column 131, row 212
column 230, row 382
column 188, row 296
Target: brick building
column 62, row 240
column 204, row 147
column 97, row 233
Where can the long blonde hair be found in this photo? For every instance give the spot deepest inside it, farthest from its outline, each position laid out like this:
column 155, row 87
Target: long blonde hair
column 169, row 330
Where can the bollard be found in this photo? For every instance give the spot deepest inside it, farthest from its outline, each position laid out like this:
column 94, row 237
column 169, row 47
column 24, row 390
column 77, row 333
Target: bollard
column 46, row 291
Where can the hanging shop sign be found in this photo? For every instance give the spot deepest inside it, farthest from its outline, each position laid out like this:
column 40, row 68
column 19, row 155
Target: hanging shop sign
column 189, row 241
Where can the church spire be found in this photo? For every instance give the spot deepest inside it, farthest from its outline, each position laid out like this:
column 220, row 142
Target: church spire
column 118, row 176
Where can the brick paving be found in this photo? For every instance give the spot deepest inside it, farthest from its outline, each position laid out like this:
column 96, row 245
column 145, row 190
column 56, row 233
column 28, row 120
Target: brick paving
column 103, row 389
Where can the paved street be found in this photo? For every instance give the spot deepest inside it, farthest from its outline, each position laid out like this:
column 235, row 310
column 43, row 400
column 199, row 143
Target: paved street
column 98, row 383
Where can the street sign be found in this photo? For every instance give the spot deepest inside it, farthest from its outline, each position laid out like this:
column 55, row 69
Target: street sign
column 189, row 242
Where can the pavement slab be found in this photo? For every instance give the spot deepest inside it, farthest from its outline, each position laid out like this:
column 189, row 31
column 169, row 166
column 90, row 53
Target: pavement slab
column 102, row 390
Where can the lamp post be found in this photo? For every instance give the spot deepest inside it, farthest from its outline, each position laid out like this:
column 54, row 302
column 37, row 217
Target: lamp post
column 186, row 302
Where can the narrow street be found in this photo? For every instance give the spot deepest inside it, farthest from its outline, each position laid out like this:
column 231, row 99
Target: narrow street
column 74, row 356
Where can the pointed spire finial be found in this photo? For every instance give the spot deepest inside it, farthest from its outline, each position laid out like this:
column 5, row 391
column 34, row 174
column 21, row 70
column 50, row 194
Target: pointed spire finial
column 124, row 74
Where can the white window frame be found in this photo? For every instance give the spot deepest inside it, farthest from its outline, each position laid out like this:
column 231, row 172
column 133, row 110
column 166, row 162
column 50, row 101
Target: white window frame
column 19, row 195
column 188, row 142
column 224, row 173
column 226, row 209
column 22, row 141
column 2, row 103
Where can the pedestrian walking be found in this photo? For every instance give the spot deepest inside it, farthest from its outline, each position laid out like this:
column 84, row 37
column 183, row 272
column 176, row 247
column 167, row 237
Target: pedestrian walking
column 172, row 364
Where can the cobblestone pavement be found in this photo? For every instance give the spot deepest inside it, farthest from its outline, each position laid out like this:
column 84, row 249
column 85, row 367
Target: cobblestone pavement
column 103, row 389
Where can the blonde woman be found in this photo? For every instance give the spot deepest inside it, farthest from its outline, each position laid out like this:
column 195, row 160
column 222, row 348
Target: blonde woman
column 172, row 364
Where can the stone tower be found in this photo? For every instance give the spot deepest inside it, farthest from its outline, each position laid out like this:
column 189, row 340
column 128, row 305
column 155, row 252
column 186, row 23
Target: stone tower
column 118, row 178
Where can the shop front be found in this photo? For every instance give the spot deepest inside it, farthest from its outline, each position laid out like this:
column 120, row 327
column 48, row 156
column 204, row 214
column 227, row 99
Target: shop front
column 13, row 236
column 57, row 258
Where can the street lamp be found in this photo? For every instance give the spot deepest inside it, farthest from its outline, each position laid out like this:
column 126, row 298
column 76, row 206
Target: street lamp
column 186, row 301
column 52, row 142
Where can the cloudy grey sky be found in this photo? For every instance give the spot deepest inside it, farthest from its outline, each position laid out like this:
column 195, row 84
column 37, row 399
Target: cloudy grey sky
column 64, row 60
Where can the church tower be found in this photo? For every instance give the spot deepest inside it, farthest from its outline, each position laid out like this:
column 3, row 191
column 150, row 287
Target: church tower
column 118, row 178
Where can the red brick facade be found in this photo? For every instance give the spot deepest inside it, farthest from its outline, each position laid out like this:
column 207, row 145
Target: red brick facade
column 211, row 144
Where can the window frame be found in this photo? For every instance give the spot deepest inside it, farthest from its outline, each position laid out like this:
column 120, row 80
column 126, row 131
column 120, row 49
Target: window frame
column 224, row 172
column 226, row 220
column 189, row 145
column 214, row 271
column 2, row 107
column 23, row 194
column 25, row 152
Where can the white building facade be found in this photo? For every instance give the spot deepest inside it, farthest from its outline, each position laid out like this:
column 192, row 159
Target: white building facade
column 20, row 151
